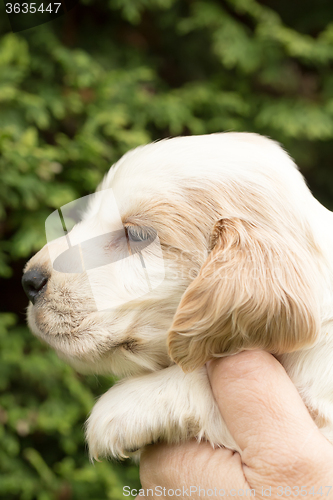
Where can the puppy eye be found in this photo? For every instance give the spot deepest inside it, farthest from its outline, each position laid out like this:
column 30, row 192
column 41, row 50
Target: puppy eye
column 138, row 234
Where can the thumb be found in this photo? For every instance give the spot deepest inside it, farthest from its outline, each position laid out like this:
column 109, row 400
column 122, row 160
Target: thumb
column 264, row 412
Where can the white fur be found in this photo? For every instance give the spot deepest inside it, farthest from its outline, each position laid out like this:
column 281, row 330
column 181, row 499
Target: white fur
column 181, row 187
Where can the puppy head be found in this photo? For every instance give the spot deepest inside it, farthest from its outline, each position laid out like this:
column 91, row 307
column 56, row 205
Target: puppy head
column 257, row 283
column 129, row 336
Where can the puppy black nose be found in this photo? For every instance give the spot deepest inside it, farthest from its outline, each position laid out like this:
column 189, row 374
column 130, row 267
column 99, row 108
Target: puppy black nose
column 34, row 282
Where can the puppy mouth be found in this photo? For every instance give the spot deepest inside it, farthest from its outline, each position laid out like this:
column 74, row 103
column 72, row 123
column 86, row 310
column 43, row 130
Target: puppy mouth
column 72, row 339
column 47, row 320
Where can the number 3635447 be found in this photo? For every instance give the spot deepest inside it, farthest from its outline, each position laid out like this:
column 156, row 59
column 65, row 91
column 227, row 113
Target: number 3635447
column 31, row 8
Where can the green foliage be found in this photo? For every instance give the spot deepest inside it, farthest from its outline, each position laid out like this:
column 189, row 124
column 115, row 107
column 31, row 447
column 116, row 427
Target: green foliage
column 77, row 93
column 43, row 406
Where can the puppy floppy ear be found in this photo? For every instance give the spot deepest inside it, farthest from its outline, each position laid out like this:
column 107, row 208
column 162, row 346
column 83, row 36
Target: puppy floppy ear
column 256, row 290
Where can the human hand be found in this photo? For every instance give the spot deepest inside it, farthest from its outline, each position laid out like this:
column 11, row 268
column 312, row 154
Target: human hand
column 282, row 451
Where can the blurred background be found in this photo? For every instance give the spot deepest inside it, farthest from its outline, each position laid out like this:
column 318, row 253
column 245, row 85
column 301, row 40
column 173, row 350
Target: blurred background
column 77, row 93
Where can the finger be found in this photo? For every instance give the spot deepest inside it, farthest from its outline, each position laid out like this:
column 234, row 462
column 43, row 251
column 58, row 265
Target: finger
column 189, row 466
column 261, row 407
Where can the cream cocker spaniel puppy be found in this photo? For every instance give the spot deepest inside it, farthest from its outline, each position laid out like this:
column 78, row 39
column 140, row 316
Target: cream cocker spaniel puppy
column 247, row 253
